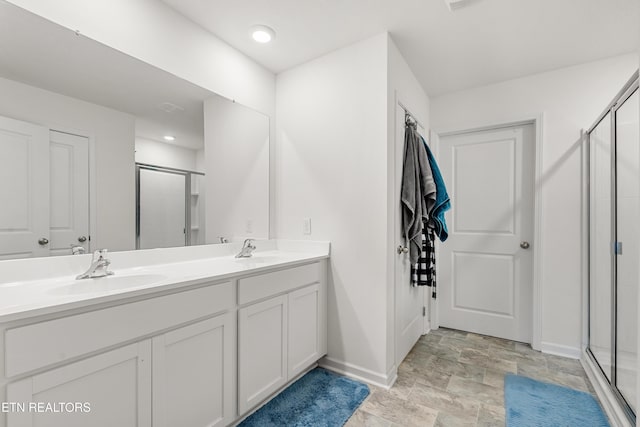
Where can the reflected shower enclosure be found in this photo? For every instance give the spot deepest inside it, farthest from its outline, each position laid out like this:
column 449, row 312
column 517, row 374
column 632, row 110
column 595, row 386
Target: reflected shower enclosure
column 169, row 207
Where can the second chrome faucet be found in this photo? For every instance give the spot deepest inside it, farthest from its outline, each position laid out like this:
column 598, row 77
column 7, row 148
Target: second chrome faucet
column 247, row 249
column 99, row 266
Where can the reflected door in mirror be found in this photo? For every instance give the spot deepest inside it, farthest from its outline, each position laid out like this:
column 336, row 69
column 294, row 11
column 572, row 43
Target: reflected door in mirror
column 44, row 190
column 69, row 189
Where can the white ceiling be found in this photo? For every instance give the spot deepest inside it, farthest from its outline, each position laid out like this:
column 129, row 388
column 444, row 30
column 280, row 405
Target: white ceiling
column 484, row 42
column 82, row 68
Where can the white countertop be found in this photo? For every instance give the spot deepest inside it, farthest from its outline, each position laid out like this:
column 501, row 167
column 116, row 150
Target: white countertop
column 45, row 286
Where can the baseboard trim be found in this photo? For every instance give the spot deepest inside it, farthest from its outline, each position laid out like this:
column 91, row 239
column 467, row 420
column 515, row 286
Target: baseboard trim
column 359, row 373
column 561, row 350
column 609, row 402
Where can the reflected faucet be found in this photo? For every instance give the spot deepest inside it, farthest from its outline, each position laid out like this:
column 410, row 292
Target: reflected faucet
column 99, row 266
column 77, row 250
column 247, row 249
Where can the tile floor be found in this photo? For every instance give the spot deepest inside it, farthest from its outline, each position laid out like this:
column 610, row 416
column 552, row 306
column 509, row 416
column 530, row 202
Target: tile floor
column 455, row 378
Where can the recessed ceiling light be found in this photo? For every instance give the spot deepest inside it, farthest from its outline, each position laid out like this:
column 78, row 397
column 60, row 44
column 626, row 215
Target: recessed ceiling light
column 262, row 33
column 169, row 138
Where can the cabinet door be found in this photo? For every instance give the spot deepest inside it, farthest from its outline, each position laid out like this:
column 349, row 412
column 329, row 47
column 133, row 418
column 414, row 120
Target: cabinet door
column 304, row 329
column 262, row 350
column 193, row 370
column 116, row 385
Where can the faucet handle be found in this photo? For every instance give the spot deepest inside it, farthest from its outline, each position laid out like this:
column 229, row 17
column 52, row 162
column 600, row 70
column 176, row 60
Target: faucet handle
column 77, row 249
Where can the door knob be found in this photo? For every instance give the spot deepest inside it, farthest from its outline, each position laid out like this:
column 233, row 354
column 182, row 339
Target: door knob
column 524, row 245
column 82, row 239
column 44, row 241
column 402, row 249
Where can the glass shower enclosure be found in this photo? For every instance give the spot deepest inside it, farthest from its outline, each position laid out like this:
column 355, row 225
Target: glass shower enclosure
column 614, row 243
column 169, row 207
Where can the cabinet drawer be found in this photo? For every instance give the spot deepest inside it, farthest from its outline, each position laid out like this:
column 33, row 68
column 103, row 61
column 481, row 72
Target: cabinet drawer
column 265, row 285
column 42, row 344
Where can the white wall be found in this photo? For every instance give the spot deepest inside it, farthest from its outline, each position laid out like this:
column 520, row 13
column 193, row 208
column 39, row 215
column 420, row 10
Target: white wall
column 113, row 135
column 335, row 165
column 167, row 155
column 570, row 99
column 237, row 167
column 402, row 87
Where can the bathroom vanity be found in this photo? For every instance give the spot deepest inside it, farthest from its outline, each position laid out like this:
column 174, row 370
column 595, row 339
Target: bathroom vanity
column 177, row 337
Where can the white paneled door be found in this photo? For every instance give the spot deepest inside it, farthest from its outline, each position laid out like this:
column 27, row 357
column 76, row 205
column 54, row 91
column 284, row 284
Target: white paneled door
column 24, row 189
column 69, row 189
column 485, row 272
column 409, row 319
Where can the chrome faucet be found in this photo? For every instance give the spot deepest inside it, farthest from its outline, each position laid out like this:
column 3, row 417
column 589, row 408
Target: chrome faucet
column 77, row 250
column 247, row 249
column 99, row 266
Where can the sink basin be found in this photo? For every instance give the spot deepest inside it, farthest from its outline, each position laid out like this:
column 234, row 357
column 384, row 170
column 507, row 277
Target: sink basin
column 105, row 284
column 256, row 259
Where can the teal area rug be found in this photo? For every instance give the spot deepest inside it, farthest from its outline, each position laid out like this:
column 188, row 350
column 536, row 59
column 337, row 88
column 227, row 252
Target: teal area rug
column 531, row 403
column 318, row 399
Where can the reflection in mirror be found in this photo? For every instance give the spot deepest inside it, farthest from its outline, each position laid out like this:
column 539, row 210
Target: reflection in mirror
column 75, row 118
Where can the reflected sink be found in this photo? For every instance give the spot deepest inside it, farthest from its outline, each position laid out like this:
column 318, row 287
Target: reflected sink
column 106, row 284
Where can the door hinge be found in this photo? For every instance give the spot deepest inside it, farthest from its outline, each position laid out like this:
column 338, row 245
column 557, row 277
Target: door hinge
column 617, row 248
column 424, row 311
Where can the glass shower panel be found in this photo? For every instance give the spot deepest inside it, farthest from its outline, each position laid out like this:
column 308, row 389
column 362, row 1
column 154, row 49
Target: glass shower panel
column 601, row 229
column 628, row 232
column 162, row 209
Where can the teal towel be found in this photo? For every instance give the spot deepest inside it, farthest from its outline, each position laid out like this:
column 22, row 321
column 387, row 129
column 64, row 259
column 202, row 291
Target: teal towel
column 443, row 204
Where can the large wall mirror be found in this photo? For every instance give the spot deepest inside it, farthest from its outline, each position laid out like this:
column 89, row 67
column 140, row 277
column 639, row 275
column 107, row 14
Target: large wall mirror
column 101, row 150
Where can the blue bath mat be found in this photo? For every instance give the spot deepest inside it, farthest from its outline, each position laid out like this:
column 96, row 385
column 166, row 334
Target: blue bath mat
column 318, row 399
column 531, row 403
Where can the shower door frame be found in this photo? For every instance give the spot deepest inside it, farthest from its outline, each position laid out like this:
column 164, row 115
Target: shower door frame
column 187, row 202
column 621, row 97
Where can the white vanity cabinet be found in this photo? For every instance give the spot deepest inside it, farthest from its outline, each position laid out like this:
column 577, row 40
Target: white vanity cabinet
column 262, row 350
column 201, row 354
column 115, row 385
column 306, row 329
column 192, row 374
column 279, row 336
column 179, row 370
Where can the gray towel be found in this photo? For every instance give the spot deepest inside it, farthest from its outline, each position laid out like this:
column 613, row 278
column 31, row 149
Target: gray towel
column 418, row 193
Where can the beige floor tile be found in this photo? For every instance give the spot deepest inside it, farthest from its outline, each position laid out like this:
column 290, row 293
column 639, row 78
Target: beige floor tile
column 432, row 378
column 494, row 378
column 399, row 411
column 448, row 420
column 454, row 378
column 443, row 401
column 456, row 368
column 476, row 390
column 403, row 385
column 491, row 416
column 364, row 419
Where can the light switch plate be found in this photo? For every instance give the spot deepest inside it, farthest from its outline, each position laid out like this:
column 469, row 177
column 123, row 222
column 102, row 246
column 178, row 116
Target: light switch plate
column 306, row 226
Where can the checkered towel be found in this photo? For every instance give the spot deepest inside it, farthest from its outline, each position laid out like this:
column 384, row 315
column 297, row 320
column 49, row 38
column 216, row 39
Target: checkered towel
column 424, row 272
